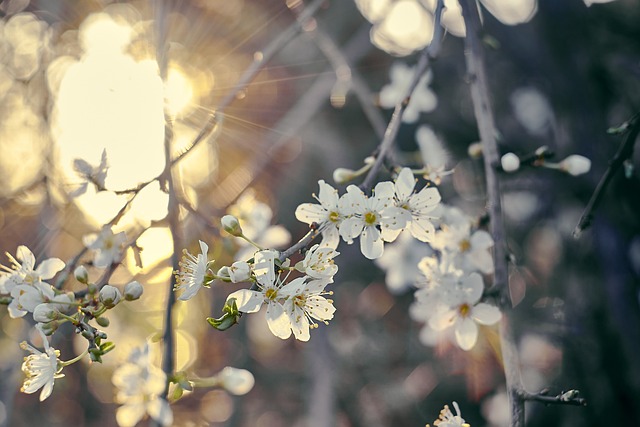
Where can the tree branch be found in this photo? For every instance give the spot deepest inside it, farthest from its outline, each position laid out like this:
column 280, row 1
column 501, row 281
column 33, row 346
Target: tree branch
column 429, row 53
column 632, row 126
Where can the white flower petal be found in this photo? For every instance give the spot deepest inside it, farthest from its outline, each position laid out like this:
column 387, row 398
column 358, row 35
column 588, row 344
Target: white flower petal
column 486, row 314
column 371, row 243
column 310, row 213
column 351, row 228
column 247, row 301
column 473, row 286
column 160, row 411
column 24, row 255
column 49, row 267
column 405, row 184
column 263, row 267
column 278, row 321
column 466, row 334
column 128, row 415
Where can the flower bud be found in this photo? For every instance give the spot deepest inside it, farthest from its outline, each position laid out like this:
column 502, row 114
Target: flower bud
column 475, row 150
column 236, row 381
column 224, row 273
column 102, row 321
column 510, row 162
column 231, row 225
column 44, row 313
column 50, row 327
column 132, row 291
column 343, row 175
column 239, row 271
column 575, row 165
column 110, row 296
column 82, row 275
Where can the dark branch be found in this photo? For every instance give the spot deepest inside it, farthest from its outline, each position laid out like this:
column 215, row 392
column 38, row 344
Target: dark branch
column 624, row 153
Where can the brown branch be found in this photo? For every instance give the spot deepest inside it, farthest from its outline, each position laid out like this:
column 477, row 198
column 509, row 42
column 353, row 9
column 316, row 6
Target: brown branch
column 479, row 85
column 429, row 53
column 632, row 126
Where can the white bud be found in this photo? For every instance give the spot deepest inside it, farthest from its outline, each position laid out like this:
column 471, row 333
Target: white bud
column 133, row 291
column 239, row 271
column 82, row 275
column 343, row 175
column 575, row 165
column 236, row 381
column 231, row 225
column 110, row 296
column 44, row 313
column 475, row 150
column 510, row 162
column 224, row 272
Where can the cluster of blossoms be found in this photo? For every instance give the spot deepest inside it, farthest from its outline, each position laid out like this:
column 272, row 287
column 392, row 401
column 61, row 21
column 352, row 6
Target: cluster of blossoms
column 292, row 306
column 376, row 219
column 449, row 295
column 25, row 288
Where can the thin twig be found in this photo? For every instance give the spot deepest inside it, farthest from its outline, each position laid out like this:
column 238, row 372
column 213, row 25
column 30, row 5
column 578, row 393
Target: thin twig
column 168, row 334
column 427, row 54
column 624, row 153
column 571, row 398
column 260, row 59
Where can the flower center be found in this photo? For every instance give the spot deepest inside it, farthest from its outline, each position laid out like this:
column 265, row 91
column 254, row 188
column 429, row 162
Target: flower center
column 271, row 294
column 300, row 300
column 370, row 218
column 465, row 245
column 464, row 310
column 334, row 216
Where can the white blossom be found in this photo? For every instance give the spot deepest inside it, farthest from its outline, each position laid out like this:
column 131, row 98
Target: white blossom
column 23, row 270
column 107, row 246
column 327, row 214
column 575, row 165
column 318, row 263
column 41, row 368
column 192, row 274
column 422, row 99
column 305, row 303
column 412, row 210
column 91, row 174
column 269, row 284
column 465, row 312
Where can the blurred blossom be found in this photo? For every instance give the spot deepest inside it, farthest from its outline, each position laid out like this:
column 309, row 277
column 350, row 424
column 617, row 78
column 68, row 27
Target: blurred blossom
column 140, row 386
column 496, row 410
column 422, row 100
column 400, row 262
column 434, row 155
column 255, row 220
column 25, row 37
column 520, row 206
column 107, row 246
column 540, row 361
column 399, row 27
column 532, row 110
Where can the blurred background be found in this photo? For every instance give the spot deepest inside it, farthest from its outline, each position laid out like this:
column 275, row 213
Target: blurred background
column 78, row 77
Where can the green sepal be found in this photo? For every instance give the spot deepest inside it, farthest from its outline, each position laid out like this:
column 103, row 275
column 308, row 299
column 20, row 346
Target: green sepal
column 228, row 319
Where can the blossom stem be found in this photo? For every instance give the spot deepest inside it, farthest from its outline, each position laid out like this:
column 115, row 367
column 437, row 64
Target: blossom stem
column 251, row 242
column 75, row 359
column 428, row 54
